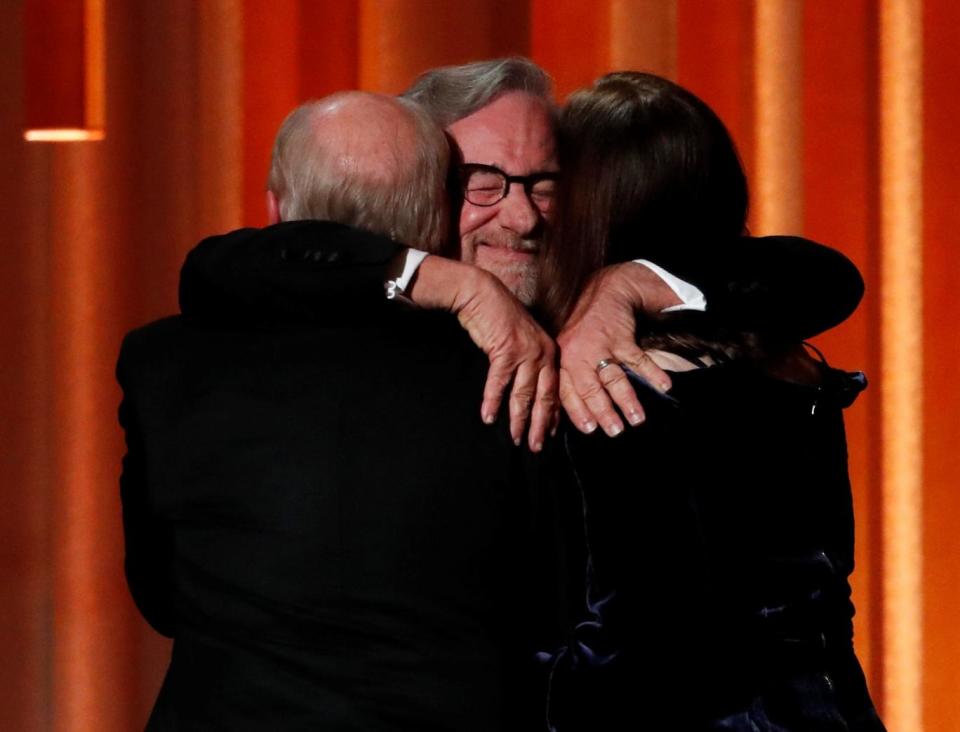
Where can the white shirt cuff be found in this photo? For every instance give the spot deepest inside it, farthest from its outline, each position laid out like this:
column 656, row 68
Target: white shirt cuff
column 413, row 258
column 692, row 298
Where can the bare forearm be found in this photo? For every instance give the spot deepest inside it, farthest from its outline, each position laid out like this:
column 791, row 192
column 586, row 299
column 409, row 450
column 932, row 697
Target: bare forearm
column 444, row 284
column 641, row 287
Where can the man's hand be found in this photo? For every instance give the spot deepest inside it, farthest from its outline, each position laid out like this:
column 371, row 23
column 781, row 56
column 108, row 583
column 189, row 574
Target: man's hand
column 603, row 328
column 519, row 350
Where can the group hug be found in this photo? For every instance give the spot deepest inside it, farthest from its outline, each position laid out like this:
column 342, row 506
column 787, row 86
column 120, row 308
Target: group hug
column 503, row 423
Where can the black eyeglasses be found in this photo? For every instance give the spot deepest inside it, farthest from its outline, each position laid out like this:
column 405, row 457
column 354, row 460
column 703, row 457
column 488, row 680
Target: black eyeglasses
column 487, row 185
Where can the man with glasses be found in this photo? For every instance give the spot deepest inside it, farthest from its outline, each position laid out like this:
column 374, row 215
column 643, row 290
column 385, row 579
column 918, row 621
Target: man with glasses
column 485, row 186
column 501, row 116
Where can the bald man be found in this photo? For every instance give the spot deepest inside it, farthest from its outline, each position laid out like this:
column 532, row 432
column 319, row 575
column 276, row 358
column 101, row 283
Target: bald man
column 282, row 526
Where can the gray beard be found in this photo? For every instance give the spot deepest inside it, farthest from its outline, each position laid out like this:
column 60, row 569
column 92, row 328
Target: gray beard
column 526, row 290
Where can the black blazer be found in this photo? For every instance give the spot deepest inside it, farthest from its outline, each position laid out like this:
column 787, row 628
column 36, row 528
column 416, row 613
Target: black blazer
column 321, row 521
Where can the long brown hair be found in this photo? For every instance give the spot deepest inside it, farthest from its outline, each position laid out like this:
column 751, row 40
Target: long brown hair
column 646, row 164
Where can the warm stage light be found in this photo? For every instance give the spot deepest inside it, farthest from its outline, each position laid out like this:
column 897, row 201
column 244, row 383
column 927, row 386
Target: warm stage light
column 901, row 137
column 63, row 135
column 63, row 66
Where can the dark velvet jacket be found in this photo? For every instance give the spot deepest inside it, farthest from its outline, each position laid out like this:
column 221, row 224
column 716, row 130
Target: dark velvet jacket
column 720, row 537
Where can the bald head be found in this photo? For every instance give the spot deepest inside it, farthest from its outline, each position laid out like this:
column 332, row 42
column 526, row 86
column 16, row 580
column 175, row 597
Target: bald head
column 366, row 160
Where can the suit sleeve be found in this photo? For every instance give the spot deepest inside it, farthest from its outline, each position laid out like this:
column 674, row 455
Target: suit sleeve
column 784, row 286
column 148, row 541
column 314, row 271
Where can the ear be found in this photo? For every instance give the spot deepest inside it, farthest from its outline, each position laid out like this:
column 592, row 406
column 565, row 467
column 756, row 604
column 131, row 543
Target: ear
column 273, row 208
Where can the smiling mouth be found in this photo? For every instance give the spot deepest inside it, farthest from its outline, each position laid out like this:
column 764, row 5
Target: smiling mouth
column 507, row 252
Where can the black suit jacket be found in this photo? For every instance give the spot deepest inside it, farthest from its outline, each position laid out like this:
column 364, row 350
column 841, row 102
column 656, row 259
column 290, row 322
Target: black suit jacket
column 320, row 519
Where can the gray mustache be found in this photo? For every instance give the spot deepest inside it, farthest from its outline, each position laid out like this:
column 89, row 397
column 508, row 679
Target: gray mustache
column 517, row 245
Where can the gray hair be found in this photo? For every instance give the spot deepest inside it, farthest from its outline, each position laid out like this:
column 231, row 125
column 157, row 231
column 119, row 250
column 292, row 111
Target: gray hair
column 450, row 93
column 405, row 199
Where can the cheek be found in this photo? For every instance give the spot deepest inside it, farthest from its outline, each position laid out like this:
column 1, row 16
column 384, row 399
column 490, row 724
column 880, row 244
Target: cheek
column 474, row 217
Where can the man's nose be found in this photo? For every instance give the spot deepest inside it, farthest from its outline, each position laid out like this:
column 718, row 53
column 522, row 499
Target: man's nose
column 518, row 213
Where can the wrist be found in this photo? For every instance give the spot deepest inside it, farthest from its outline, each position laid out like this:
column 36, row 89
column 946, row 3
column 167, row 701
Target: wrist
column 470, row 286
column 445, row 284
column 642, row 288
column 428, row 287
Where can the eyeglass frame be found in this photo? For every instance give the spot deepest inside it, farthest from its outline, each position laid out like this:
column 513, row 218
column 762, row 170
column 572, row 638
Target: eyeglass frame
column 527, row 181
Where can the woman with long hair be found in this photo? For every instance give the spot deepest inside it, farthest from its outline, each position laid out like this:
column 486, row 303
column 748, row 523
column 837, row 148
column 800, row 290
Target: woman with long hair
column 720, row 531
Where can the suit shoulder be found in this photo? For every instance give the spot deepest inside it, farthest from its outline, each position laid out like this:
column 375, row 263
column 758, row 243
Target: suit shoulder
column 432, row 331
column 146, row 344
column 157, row 331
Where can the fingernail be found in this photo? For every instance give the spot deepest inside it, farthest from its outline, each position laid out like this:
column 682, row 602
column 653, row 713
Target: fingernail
column 613, row 429
column 663, row 386
column 537, row 446
column 634, row 418
column 488, row 418
column 589, row 426
column 517, row 441
column 553, row 431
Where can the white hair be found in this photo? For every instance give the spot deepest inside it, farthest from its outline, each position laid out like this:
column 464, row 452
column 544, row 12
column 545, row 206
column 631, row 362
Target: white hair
column 450, row 93
column 404, row 198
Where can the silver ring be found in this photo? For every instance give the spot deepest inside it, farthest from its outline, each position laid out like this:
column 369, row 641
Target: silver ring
column 604, row 362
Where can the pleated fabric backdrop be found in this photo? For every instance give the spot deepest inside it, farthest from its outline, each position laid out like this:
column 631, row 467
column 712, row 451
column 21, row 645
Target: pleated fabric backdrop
column 845, row 116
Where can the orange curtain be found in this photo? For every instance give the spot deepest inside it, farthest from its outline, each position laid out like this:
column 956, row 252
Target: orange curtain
column 844, row 114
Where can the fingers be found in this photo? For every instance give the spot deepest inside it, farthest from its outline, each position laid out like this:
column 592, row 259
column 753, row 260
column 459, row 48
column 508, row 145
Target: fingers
column 555, row 423
column 588, row 385
column 620, row 390
column 534, row 399
column 498, row 376
column 588, row 394
column 573, row 405
column 521, row 399
column 546, row 409
column 533, row 396
column 642, row 365
column 603, row 329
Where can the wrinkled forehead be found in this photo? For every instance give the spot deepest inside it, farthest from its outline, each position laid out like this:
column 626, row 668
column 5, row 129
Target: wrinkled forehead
column 515, row 133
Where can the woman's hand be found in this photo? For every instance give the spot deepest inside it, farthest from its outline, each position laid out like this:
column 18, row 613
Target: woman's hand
column 602, row 328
